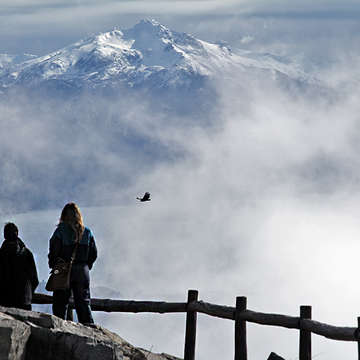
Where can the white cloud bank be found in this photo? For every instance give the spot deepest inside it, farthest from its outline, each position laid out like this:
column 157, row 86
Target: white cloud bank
column 263, row 204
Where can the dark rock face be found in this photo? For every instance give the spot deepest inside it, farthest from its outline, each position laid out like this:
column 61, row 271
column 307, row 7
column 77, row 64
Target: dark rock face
column 274, row 356
column 29, row 335
column 13, row 337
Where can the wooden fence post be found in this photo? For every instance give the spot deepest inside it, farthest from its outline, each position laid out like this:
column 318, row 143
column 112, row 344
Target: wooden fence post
column 190, row 335
column 240, row 330
column 305, row 335
column 357, row 334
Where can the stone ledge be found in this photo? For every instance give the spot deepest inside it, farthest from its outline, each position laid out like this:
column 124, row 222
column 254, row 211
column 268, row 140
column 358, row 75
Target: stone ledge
column 32, row 335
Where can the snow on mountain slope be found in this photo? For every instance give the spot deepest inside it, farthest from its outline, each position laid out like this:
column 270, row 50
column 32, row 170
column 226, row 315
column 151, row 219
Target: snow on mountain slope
column 149, row 53
column 8, row 60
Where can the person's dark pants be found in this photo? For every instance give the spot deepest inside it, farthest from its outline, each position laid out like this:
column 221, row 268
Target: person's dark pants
column 80, row 286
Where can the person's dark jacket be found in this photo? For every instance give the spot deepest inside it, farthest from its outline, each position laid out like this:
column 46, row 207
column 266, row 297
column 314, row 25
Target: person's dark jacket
column 18, row 274
column 62, row 244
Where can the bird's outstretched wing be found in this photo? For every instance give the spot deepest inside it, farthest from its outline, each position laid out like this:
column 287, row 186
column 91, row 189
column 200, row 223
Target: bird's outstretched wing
column 146, row 197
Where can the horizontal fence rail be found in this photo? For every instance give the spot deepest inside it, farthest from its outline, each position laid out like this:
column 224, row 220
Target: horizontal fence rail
column 220, row 311
column 108, row 305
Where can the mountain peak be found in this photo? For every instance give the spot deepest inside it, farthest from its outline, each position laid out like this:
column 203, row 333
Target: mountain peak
column 149, row 28
column 149, row 21
column 146, row 24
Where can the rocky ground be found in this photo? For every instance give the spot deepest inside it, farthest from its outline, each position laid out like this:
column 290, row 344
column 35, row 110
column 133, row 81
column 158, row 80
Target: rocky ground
column 30, row 335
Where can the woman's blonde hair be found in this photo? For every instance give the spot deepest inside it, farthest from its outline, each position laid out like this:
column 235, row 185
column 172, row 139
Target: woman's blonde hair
column 71, row 215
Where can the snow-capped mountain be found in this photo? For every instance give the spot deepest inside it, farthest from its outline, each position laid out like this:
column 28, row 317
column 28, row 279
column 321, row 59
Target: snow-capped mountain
column 94, row 117
column 147, row 54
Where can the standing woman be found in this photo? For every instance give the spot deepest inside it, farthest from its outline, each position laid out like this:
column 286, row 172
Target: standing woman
column 62, row 243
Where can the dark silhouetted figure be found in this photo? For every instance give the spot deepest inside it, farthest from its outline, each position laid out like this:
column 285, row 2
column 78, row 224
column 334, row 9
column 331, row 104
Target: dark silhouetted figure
column 146, row 197
column 69, row 231
column 18, row 275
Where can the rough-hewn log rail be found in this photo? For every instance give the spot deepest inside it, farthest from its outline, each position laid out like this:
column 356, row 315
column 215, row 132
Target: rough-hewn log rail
column 109, row 305
column 290, row 322
column 224, row 312
column 161, row 307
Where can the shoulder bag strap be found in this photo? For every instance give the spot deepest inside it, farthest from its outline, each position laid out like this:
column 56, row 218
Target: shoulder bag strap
column 74, row 251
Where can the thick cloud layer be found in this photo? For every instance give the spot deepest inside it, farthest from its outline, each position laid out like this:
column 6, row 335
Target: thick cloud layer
column 263, row 203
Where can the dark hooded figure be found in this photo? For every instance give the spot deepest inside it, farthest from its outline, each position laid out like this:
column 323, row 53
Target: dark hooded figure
column 18, row 275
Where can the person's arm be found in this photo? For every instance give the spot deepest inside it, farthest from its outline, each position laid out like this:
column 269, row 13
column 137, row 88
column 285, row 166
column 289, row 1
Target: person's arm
column 92, row 251
column 55, row 247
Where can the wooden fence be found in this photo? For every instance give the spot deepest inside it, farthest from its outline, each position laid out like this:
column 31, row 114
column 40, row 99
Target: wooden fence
column 240, row 314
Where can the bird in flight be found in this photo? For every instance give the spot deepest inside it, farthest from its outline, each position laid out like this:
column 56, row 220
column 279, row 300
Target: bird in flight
column 146, row 197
